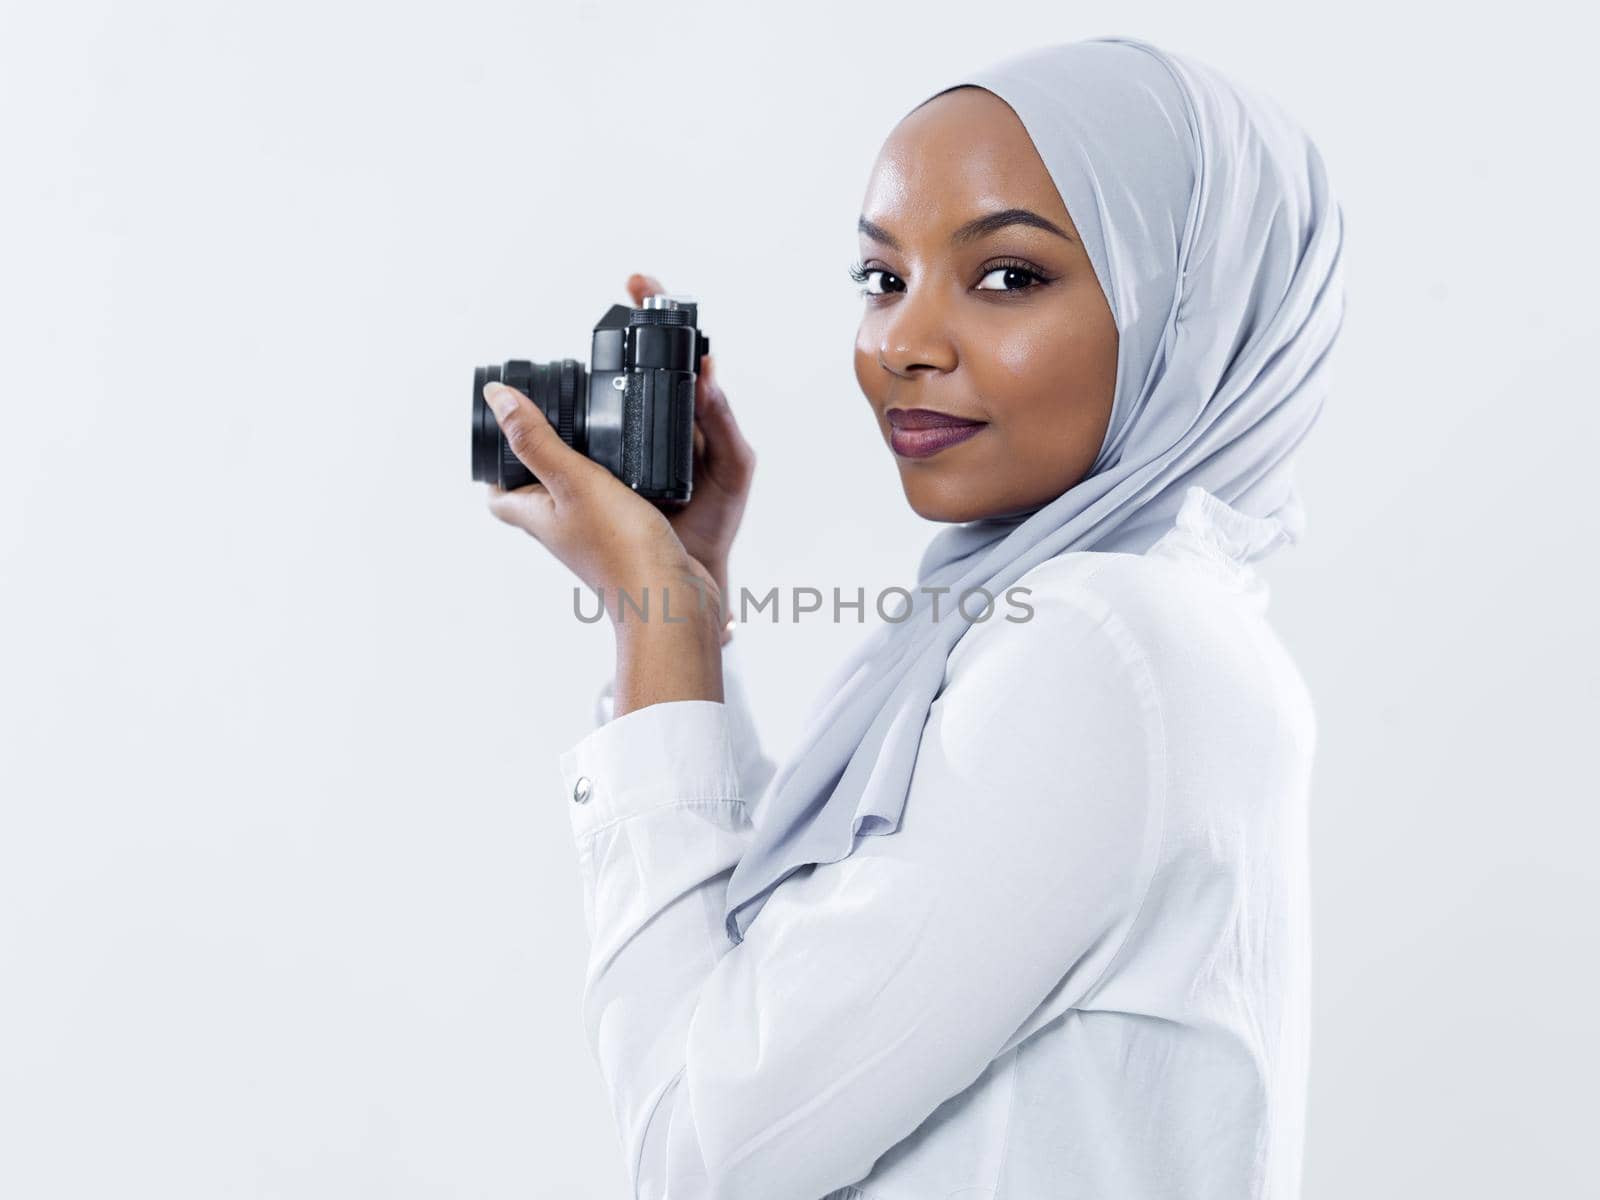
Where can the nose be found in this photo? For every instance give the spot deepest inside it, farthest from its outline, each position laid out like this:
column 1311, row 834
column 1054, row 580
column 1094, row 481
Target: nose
column 916, row 336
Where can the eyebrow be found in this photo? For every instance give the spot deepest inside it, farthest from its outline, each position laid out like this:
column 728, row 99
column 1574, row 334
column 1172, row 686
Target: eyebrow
column 973, row 230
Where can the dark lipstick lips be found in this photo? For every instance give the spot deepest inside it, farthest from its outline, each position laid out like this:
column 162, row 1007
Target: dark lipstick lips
column 925, row 418
column 919, row 432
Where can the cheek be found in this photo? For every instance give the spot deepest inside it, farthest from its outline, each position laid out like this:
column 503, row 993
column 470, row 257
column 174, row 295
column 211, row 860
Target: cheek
column 1054, row 342
column 866, row 363
column 1024, row 352
column 1042, row 378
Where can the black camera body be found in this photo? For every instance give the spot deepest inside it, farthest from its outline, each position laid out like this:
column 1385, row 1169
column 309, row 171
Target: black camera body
column 631, row 409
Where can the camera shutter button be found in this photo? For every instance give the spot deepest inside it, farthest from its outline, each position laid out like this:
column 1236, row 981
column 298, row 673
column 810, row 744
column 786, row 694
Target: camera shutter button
column 581, row 789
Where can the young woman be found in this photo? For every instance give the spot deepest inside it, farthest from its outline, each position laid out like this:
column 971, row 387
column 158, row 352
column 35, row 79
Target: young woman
column 1026, row 914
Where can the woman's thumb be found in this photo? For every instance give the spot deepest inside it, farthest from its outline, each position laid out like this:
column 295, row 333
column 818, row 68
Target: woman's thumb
column 531, row 437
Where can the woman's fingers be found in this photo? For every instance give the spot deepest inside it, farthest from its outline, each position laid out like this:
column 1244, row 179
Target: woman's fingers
column 533, row 440
column 640, row 286
column 529, row 508
column 731, row 458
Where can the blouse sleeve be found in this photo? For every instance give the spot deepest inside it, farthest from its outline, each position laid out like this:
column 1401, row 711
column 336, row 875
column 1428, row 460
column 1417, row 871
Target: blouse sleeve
column 870, row 990
column 750, row 761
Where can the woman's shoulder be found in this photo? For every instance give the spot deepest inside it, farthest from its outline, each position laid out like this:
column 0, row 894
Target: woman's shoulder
column 1143, row 604
column 1059, row 631
column 1185, row 636
column 1177, row 601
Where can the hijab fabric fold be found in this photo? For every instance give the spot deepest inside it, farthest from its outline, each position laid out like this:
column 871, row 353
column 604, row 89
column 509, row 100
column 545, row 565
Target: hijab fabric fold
column 1214, row 234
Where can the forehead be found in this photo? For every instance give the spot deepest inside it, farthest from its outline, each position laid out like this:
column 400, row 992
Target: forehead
column 960, row 154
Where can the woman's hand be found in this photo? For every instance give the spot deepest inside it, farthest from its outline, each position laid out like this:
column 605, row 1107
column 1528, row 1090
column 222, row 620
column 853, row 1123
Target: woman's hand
column 613, row 539
column 724, row 466
column 620, row 544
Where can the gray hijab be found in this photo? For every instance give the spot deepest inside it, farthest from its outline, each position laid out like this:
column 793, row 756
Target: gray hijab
column 1215, row 237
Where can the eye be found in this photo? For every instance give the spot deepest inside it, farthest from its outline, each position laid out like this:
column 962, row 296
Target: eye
column 1013, row 277
column 868, row 276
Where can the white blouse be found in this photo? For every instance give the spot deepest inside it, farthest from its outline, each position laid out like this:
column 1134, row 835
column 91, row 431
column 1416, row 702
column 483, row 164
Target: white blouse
column 1079, row 969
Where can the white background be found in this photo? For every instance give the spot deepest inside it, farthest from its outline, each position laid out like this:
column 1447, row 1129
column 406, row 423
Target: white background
column 288, row 901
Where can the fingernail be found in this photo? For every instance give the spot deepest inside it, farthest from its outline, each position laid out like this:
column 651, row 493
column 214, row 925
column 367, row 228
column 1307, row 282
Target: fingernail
column 499, row 397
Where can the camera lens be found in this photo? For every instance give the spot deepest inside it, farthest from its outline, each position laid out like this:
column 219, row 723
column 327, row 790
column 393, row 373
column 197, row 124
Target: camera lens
column 560, row 389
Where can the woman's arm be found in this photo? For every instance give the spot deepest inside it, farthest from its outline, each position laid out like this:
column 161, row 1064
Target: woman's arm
column 870, row 990
column 622, row 545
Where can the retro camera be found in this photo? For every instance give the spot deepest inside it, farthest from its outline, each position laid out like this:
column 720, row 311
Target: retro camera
column 631, row 409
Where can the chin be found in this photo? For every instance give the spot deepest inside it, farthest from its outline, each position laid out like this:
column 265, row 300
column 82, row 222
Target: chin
column 949, row 503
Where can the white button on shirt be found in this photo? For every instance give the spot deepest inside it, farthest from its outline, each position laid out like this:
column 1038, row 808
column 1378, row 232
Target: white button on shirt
column 1079, row 969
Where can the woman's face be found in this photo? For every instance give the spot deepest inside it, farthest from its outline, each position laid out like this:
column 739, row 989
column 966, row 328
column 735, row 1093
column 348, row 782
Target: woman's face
column 974, row 317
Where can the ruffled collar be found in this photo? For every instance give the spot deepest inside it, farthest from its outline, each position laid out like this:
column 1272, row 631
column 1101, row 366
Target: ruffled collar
column 1209, row 529
column 1238, row 536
